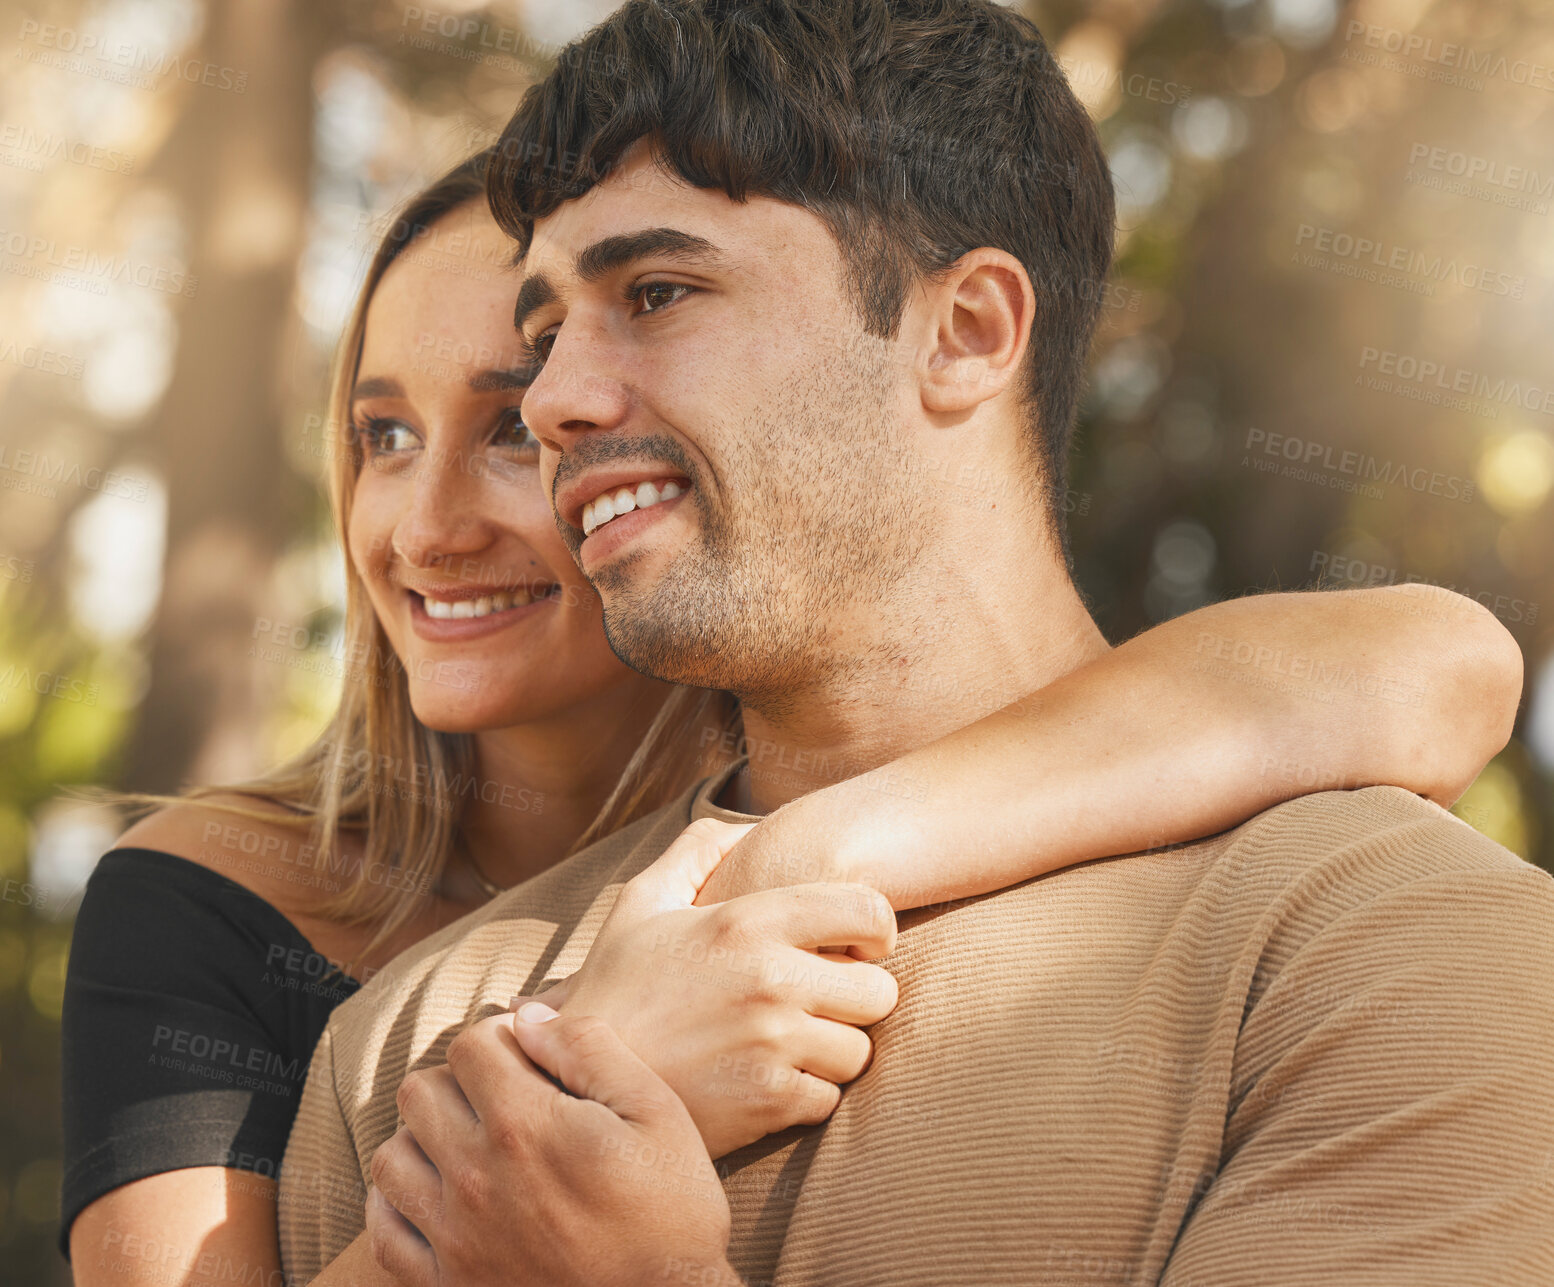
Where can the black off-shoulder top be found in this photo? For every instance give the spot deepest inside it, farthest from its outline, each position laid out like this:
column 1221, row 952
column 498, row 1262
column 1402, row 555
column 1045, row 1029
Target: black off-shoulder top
column 191, row 1009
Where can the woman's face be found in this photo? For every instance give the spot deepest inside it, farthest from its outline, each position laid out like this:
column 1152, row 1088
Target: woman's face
column 450, row 529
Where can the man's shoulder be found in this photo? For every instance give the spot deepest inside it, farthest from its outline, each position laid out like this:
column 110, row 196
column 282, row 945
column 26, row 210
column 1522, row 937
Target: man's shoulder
column 1282, row 880
column 1313, row 870
column 1378, row 829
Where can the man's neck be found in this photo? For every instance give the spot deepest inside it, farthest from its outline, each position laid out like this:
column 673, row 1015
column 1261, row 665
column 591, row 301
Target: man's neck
column 975, row 644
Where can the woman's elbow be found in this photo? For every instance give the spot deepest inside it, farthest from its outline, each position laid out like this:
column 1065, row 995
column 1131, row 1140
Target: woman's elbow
column 1475, row 707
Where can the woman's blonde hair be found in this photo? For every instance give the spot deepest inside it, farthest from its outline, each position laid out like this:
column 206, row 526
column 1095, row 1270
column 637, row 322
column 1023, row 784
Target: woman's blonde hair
column 376, row 767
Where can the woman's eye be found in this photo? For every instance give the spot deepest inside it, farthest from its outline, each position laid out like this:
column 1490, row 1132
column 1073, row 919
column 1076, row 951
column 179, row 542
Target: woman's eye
column 513, row 434
column 384, row 437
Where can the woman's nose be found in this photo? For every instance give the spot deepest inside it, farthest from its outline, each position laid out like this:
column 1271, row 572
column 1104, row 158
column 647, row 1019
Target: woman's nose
column 443, row 512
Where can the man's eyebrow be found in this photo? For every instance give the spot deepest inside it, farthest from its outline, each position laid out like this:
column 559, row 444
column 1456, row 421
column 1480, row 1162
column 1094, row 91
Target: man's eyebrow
column 487, row 381
column 377, row 386
column 536, row 291
column 609, row 254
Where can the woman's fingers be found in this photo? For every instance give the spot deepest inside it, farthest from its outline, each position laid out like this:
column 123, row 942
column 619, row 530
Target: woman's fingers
column 839, row 988
column 833, row 1052
column 677, row 875
column 815, row 916
column 814, row 1100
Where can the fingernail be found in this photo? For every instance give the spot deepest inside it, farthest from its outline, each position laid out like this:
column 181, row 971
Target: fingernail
column 536, row 1012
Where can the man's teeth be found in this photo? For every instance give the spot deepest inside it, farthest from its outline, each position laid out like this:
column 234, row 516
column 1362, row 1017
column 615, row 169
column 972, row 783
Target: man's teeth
column 625, row 499
column 459, row 609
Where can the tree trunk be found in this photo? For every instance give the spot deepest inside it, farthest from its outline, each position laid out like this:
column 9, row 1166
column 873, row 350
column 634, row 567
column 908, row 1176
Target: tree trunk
column 240, row 167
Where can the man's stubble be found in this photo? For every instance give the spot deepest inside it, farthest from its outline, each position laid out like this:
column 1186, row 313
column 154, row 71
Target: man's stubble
column 795, row 580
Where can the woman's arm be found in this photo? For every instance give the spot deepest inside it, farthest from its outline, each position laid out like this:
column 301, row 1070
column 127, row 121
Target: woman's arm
column 203, row 1224
column 200, row 1227
column 1181, row 732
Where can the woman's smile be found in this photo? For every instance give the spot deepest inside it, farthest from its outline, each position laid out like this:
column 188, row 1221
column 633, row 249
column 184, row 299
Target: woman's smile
column 463, row 613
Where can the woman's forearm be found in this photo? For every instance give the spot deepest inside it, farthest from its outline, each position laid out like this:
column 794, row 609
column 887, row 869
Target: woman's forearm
column 1181, row 732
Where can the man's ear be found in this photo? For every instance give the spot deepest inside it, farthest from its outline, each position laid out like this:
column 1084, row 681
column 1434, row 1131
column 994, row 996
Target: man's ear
column 979, row 326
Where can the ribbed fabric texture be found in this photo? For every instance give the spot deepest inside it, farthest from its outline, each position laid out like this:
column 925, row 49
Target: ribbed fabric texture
column 1317, row 1049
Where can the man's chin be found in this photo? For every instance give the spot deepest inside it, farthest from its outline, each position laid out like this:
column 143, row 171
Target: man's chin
column 663, row 645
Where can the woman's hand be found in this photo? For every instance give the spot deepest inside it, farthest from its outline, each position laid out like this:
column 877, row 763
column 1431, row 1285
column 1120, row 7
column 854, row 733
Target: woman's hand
column 739, row 1007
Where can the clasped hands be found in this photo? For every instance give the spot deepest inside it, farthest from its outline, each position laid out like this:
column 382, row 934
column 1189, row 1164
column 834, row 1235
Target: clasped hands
column 688, row 1032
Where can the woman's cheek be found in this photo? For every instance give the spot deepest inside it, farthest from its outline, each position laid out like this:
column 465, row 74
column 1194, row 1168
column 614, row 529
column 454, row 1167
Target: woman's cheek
column 369, row 544
column 369, row 537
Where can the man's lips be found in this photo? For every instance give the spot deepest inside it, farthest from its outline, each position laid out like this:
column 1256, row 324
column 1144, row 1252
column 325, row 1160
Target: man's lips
column 616, row 534
column 573, row 496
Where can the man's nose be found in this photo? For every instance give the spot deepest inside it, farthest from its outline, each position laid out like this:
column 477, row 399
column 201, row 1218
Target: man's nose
column 579, row 390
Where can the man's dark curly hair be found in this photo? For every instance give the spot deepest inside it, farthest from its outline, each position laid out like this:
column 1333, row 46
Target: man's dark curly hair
column 916, row 130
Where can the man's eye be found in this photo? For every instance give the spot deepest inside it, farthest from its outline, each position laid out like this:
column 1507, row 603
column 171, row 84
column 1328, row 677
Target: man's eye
column 658, row 295
column 380, row 437
column 536, row 351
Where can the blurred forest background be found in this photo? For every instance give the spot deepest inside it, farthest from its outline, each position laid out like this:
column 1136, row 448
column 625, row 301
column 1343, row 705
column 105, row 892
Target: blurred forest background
column 1336, row 236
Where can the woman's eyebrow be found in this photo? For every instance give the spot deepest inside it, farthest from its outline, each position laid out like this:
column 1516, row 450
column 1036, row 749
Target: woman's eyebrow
column 377, row 386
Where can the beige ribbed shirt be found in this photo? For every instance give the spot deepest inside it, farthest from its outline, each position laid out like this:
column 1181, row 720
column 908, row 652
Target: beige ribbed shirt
column 1316, row 1049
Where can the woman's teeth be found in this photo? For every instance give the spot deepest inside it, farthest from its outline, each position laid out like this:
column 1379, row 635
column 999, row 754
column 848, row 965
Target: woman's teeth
column 625, row 499
column 459, row 609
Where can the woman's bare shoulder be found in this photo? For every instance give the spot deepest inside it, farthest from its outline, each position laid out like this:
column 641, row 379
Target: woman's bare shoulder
column 249, row 840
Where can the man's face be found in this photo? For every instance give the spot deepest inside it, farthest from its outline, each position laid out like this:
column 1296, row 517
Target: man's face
column 709, row 350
